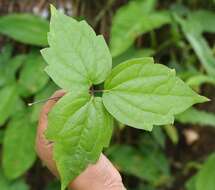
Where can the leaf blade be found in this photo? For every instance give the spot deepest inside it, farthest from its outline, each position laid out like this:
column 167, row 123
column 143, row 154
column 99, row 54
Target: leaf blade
column 26, row 28
column 194, row 116
column 6, row 184
column 32, row 77
column 82, row 53
column 193, row 27
column 143, row 89
column 131, row 21
column 9, row 98
column 205, row 177
column 80, row 127
column 18, row 132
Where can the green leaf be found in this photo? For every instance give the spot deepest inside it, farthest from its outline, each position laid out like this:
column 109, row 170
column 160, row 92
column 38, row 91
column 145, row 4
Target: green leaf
column 76, row 58
column 32, row 77
column 132, row 161
column 19, row 107
column 191, row 183
column 204, row 20
column 5, row 184
column 172, row 133
column 8, row 69
column 8, row 96
column 197, row 117
column 203, row 52
column 6, row 53
column 80, row 127
column 197, row 80
column 18, row 147
column 131, row 21
column 159, row 136
column 142, row 94
column 193, row 27
column 205, row 177
column 25, row 28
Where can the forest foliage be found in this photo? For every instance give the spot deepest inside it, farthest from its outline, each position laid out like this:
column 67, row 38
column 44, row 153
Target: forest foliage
column 179, row 35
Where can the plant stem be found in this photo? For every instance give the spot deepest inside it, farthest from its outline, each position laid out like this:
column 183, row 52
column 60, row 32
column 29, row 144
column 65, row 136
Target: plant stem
column 58, row 97
column 43, row 100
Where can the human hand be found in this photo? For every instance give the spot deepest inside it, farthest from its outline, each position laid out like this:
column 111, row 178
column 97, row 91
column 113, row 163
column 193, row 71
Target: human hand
column 100, row 176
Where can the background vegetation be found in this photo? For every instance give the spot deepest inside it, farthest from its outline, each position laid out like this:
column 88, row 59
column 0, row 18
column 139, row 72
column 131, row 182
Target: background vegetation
column 177, row 33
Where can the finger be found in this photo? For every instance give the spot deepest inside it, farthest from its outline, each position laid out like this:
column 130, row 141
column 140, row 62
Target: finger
column 102, row 175
column 43, row 146
column 44, row 151
column 43, row 116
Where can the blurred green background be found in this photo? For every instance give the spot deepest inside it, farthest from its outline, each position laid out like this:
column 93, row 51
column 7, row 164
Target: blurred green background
column 177, row 33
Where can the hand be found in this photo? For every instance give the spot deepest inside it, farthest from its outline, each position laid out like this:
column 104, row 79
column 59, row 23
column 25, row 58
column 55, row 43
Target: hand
column 101, row 176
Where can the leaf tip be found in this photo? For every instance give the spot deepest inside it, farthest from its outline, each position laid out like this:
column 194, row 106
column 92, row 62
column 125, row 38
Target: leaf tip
column 53, row 10
column 148, row 127
column 202, row 99
column 206, row 99
column 65, row 182
column 173, row 71
column 42, row 51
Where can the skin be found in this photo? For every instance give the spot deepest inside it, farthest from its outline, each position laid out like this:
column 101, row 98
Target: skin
column 100, row 176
